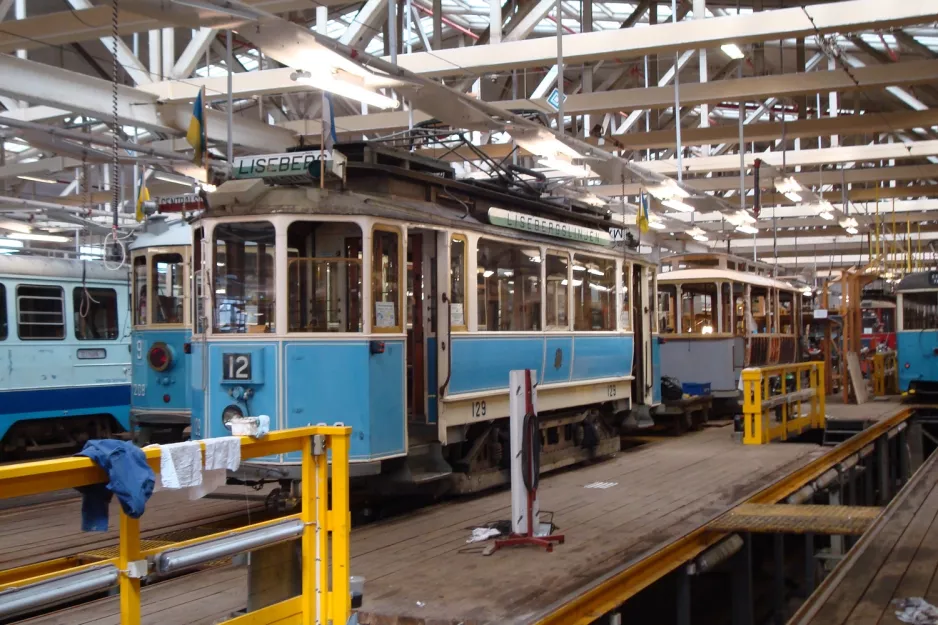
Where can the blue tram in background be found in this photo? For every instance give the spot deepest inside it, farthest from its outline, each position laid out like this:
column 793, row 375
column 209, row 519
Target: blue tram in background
column 162, row 328
column 396, row 300
column 917, row 336
column 64, row 354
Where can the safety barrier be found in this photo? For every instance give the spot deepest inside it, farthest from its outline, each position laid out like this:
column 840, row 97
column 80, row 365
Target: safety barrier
column 885, row 374
column 323, row 526
column 775, row 398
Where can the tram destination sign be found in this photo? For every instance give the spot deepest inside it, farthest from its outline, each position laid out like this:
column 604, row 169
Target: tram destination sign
column 284, row 168
column 180, row 203
column 547, row 227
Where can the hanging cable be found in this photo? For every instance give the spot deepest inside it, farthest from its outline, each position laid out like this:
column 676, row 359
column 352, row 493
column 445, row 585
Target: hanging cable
column 115, row 156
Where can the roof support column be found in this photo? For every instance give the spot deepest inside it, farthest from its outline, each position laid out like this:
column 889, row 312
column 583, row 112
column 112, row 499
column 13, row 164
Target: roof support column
column 495, row 21
column 700, row 12
column 832, row 103
column 437, row 24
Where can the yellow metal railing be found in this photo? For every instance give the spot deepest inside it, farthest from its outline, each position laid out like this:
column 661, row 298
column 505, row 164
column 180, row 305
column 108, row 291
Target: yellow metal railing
column 782, row 401
column 324, row 515
column 885, row 374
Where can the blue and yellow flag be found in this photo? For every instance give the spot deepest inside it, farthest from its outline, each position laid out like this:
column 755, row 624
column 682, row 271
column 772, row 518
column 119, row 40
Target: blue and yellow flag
column 642, row 219
column 143, row 195
column 196, row 134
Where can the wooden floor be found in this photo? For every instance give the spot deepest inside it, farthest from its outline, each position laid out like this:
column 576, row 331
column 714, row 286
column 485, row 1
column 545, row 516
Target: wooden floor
column 45, row 529
column 896, row 559
column 418, row 566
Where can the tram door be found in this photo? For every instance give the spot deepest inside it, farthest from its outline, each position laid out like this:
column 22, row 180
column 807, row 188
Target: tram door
column 421, row 325
column 642, row 326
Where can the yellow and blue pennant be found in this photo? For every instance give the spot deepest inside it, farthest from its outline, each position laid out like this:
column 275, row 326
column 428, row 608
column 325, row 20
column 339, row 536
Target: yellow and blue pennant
column 143, row 195
column 196, row 133
column 642, row 218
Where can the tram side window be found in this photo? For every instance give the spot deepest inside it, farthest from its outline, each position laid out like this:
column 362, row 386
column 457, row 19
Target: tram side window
column 786, row 312
column 385, row 280
column 920, row 311
column 95, row 313
column 457, row 276
column 41, row 312
column 140, row 290
column 760, row 317
column 726, row 301
column 168, row 276
column 243, row 294
column 558, row 291
column 324, row 282
column 197, row 303
column 594, row 293
column 508, row 282
column 698, row 308
column 3, row 313
column 667, row 305
column 626, row 313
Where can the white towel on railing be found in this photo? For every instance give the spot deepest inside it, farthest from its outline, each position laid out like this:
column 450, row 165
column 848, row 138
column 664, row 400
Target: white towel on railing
column 221, row 455
column 181, row 465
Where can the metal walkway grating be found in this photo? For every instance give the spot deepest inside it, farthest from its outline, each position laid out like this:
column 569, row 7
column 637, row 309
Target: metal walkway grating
column 793, row 519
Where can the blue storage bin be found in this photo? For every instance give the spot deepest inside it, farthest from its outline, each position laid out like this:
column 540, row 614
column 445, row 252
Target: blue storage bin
column 695, row 389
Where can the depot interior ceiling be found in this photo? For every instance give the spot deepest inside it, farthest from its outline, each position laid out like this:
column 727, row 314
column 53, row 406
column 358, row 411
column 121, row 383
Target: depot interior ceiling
column 838, row 98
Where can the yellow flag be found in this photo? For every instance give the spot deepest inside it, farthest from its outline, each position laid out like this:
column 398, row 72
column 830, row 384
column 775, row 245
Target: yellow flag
column 143, row 196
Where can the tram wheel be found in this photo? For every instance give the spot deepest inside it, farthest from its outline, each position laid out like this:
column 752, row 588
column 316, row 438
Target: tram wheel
column 279, row 501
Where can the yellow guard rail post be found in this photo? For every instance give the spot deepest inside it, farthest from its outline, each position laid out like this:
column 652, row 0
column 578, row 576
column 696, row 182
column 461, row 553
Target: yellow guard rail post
column 774, row 405
column 885, row 374
column 323, row 527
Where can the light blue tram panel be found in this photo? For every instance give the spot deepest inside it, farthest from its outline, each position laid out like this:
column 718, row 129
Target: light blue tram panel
column 396, row 300
column 161, row 401
column 64, row 353
column 917, row 336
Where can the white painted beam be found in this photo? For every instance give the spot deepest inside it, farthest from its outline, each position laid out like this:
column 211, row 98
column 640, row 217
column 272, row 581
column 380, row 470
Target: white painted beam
column 366, row 24
column 843, row 17
column 194, row 52
column 92, row 97
column 519, row 31
column 125, row 56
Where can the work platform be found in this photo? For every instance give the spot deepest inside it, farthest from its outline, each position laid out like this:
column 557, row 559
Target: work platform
column 616, row 515
column 895, row 560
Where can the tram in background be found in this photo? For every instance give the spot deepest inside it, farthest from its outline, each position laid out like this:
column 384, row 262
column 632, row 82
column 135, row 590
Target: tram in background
column 64, row 361
column 397, row 299
column 917, row 336
column 161, row 402
column 879, row 321
column 719, row 314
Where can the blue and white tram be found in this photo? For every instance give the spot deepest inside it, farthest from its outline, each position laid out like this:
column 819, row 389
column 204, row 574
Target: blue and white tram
column 64, row 361
column 917, row 336
column 162, row 330
column 398, row 301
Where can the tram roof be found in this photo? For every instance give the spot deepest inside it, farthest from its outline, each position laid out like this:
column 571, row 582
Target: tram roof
column 923, row 280
column 699, row 274
column 43, row 267
column 176, row 232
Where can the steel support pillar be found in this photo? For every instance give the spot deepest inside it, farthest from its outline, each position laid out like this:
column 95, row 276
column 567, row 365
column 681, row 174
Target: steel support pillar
column 778, row 547
column 809, row 566
column 683, row 596
column 852, row 478
column 882, row 470
column 902, row 450
column 742, row 583
column 915, row 445
column 868, row 478
column 836, row 499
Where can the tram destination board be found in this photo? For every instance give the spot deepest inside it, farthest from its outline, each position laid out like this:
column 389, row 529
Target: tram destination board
column 284, row 168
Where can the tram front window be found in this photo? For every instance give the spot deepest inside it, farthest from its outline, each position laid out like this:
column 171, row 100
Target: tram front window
column 168, row 274
column 243, row 294
column 324, row 277
column 698, row 308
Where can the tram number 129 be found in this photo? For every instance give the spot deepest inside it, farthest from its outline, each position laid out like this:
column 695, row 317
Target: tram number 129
column 478, row 409
column 236, row 367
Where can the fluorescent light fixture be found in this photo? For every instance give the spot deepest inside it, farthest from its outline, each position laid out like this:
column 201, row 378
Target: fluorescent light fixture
column 667, row 190
column 848, row 223
column 488, row 273
column 790, row 188
column 794, row 197
column 579, row 268
column 746, row 229
column 807, row 292
column 745, row 217
column 852, row 230
column 566, row 167
column 829, row 216
column 697, row 234
column 678, row 205
column 657, row 225
column 171, row 178
column 732, row 50
column 30, row 236
column 598, row 287
column 596, row 272
column 11, row 244
column 346, row 85
column 700, row 237
column 15, row 226
column 36, row 179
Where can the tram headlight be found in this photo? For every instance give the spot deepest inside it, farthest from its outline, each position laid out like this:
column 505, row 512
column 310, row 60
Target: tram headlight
column 160, row 357
column 230, row 413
